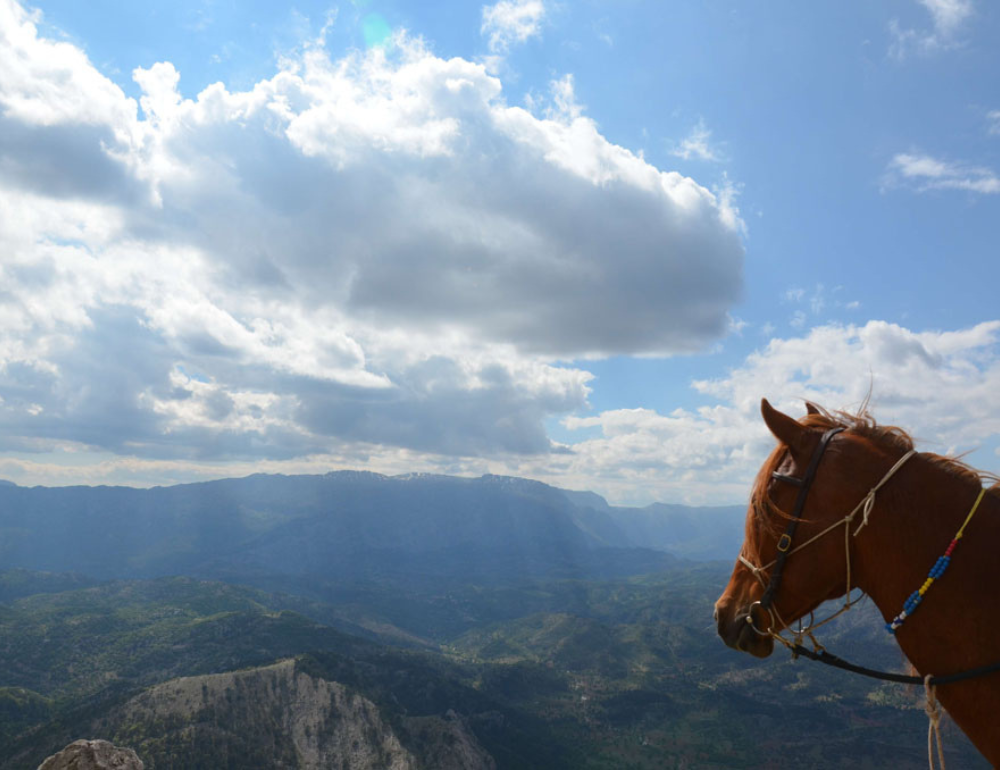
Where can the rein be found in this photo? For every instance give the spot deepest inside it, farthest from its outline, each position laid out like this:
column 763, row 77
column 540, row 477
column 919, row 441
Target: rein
column 829, row 659
column 819, row 653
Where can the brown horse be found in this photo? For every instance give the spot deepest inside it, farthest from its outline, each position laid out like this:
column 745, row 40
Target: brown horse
column 915, row 516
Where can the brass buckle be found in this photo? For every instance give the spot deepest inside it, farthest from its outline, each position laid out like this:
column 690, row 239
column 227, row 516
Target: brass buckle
column 784, row 543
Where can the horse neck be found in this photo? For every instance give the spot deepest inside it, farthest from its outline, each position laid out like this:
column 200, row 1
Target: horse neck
column 913, row 522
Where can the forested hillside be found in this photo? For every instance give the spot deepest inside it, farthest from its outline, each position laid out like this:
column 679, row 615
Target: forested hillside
column 530, row 674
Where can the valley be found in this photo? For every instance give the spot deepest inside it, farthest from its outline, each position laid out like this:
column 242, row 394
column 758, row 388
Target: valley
column 410, row 623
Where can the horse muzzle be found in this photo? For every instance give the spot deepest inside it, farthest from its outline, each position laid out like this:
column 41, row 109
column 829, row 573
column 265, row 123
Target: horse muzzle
column 738, row 632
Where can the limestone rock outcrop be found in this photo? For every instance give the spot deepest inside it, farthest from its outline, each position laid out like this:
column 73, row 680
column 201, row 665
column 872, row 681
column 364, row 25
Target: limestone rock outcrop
column 280, row 717
column 93, row 755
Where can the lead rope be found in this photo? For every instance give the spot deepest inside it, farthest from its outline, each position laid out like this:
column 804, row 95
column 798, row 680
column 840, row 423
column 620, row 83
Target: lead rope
column 933, row 710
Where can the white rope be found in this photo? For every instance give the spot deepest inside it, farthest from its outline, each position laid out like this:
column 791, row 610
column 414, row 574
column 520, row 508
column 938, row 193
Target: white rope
column 933, row 710
column 869, row 502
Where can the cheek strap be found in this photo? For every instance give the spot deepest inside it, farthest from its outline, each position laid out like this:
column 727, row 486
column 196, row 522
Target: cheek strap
column 785, row 541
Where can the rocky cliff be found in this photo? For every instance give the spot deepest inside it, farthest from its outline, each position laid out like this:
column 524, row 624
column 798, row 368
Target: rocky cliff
column 278, row 716
column 92, row 755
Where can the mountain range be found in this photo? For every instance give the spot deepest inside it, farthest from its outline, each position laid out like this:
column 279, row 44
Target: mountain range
column 417, row 621
column 350, row 525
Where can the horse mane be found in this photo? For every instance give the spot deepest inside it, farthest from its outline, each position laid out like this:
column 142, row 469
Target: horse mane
column 860, row 423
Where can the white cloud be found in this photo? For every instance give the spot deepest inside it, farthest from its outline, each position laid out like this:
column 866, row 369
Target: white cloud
column 356, row 257
column 697, row 145
column 947, row 18
column 728, row 191
column 564, row 106
column 511, row 21
column 160, row 98
column 993, row 122
column 55, row 83
column 944, row 387
column 818, row 302
column 923, row 173
column 948, row 15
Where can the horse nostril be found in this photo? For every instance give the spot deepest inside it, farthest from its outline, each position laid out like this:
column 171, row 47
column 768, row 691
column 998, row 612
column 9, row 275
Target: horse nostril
column 715, row 615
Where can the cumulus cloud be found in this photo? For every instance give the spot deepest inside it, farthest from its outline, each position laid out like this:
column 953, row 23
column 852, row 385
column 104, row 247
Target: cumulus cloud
column 942, row 386
column 923, row 173
column 367, row 252
column 511, row 21
column 947, row 19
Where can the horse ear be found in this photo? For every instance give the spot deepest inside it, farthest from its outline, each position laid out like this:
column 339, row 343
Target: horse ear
column 811, row 408
column 785, row 429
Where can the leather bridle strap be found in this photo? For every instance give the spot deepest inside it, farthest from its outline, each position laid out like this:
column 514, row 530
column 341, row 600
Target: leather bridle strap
column 785, row 541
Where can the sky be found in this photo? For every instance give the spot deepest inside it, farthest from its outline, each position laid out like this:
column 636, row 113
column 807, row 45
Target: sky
column 571, row 241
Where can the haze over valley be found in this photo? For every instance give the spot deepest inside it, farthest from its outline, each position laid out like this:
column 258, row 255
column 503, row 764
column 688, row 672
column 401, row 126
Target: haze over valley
column 531, row 626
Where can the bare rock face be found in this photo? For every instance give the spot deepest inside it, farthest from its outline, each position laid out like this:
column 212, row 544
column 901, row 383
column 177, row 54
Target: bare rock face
column 92, row 755
column 280, row 717
column 274, row 716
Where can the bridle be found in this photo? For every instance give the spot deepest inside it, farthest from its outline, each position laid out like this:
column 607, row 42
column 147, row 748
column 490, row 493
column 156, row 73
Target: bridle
column 785, row 549
column 818, row 653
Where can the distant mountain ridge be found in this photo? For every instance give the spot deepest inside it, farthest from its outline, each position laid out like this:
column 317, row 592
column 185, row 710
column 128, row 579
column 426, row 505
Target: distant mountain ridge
column 350, row 524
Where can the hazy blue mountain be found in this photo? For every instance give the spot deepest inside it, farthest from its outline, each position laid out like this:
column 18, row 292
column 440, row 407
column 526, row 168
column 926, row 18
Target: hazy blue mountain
column 340, row 523
column 701, row 533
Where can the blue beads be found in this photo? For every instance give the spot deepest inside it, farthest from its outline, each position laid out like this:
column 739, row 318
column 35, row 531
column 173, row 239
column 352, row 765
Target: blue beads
column 913, row 601
column 936, row 571
column 911, row 604
column 940, row 566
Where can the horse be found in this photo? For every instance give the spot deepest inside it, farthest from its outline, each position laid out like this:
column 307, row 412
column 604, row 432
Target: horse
column 900, row 511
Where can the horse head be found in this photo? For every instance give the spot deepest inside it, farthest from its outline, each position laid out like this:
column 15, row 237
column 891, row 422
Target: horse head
column 813, row 534
column 816, row 573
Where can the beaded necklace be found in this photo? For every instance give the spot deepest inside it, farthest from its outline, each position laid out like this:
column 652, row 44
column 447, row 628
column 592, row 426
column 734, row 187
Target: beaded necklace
column 911, row 604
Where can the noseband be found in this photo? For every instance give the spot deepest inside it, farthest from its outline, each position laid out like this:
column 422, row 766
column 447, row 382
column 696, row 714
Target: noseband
column 785, row 549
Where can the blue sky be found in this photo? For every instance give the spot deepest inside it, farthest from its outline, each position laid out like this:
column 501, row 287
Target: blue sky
column 571, row 241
